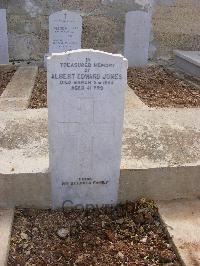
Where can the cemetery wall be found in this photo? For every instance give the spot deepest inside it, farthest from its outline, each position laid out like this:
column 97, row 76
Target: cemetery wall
column 175, row 24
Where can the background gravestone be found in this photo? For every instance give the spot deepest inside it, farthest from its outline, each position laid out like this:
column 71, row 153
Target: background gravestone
column 137, row 38
column 4, row 57
column 86, row 105
column 65, row 29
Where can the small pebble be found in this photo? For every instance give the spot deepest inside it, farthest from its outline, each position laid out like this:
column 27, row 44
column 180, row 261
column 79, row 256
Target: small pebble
column 24, row 236
column 63, row 232
column 79, row 259
column 120, row 221
column 120, row 255
column 27, row 253
column 144, row 239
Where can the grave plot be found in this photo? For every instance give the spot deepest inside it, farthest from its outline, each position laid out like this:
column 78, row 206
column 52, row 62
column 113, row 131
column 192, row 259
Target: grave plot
column 153, row 85
column 6, row 74
column 157, row 88
column 129, row 234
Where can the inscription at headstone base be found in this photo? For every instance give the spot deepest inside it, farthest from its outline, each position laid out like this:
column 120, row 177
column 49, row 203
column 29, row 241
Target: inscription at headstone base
column 137, row 38
column 4, row 57
column 85, row 112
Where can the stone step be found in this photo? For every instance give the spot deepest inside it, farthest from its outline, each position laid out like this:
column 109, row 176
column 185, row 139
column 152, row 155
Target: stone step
column 6, row 220
column 188, row 61
column 160, row 155
column 17, row 94
column 182, row 220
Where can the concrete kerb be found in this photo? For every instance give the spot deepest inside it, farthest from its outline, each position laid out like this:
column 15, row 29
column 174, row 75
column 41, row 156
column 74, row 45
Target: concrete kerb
column 33, row 189
column 28, row 184
column 170, row 238
column 133, row 101
column 24, row 177
column 6, row 220
column 18, row 92
column 181, row 219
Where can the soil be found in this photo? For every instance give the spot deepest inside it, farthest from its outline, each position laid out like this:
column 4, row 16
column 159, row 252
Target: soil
column 157, row 88
column 6, row 73
column 39, row 94
column 154, row 86
column 129, row 234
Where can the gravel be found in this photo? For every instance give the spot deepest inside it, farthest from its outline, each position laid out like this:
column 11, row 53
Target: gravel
column 39, row 94
column 157, row 88
column 6, row 73
column 154, row 86
column 129, row 234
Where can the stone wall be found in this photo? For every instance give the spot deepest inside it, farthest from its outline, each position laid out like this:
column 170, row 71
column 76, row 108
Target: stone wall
column 176, row 24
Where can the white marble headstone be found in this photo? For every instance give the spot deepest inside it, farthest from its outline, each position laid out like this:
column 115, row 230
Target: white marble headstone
column 85, row 113
column 4, row 57
column 137, row 38
column 65, row 29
